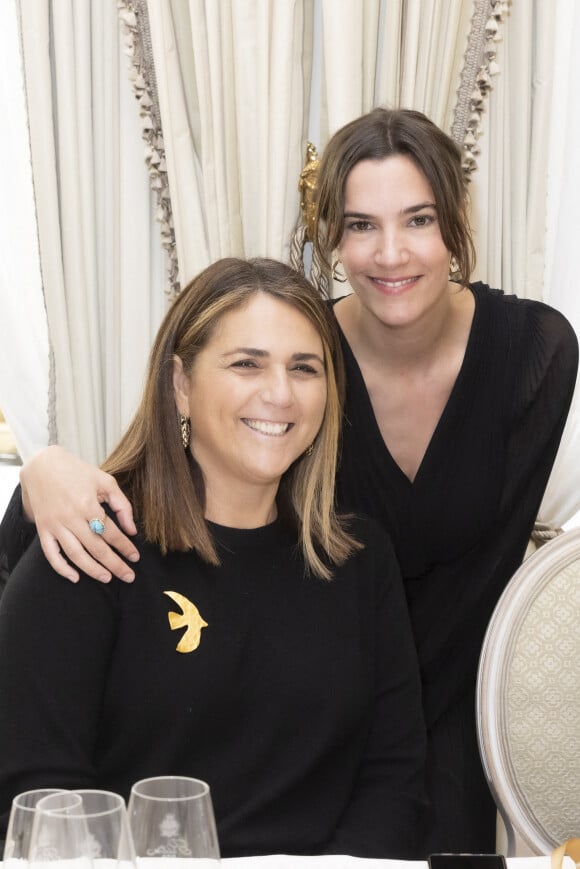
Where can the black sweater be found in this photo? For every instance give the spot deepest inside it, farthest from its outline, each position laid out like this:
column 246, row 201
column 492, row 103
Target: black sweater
column 300, row 706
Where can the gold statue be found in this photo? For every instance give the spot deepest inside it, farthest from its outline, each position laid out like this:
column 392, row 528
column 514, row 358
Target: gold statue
column 307, row 185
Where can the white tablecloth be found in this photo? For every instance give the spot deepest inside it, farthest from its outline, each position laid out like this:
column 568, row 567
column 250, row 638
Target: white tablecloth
column 283, row 861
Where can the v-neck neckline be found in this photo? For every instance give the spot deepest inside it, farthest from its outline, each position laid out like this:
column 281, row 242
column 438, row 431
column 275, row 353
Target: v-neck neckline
column 360, row 388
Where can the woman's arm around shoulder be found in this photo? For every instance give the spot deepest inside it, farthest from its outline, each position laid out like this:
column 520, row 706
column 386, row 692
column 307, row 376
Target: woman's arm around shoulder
column 61, row 494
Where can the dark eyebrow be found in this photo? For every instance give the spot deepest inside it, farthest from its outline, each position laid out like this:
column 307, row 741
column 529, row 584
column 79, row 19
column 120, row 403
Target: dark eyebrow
column 412, row 209
column 263, row 354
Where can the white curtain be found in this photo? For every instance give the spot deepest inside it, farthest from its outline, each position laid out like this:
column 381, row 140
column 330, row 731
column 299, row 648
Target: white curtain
column 24, row 353
column 99, row 252
column 509, row 187
column 242, row 84
column 397, row 54
column 562, row 499
column 232, row 83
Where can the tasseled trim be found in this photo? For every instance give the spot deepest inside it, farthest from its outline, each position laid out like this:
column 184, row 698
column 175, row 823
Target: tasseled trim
column 135, row 26
column 542, row 533
column 479, row 67
column 317, row 276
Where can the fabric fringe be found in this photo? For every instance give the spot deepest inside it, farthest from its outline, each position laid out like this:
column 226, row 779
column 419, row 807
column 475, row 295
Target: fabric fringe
column 317, row 276
column 542, row 533
column 480, row 65
column 134, row 20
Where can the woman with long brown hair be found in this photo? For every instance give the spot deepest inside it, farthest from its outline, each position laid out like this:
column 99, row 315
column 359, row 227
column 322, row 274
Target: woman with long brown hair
column 265, row 646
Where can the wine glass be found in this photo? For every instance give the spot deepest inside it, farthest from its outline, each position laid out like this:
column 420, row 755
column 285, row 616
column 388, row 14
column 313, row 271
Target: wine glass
column 81, row 827
column 20, row 825
column 172, row 816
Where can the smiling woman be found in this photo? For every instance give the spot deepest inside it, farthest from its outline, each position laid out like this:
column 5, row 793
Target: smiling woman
column 266, row 640
column 225, row 355
column 264, row 402
column 457, row 398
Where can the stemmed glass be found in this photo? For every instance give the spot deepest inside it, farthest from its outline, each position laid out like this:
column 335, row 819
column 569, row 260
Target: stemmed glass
column 20, row 824
column 172, row 816
column 81, row 827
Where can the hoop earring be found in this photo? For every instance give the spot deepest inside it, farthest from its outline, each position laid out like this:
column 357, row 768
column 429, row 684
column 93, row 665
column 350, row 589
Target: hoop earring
column 341, row 279
column 185, row 428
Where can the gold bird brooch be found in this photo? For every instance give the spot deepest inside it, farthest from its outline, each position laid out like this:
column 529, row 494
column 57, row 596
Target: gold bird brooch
column 190, row 618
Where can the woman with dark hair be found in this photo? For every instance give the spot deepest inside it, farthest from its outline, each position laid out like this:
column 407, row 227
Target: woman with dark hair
column 266, row 646
column 457, row 396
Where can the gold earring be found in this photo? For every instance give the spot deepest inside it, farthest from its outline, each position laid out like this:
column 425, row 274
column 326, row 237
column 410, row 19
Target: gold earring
column 185, row 428
column 342, row 279
column 453, row 268
column 309, row 450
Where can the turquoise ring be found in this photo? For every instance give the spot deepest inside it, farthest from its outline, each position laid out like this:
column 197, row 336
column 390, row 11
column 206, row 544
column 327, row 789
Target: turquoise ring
column 97, row 526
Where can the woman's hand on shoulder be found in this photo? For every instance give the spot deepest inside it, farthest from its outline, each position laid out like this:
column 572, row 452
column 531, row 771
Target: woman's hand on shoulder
column 61, row 494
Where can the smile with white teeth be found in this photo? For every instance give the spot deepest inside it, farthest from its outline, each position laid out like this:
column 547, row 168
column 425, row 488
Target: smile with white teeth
column 268, row 428
column 394, row 285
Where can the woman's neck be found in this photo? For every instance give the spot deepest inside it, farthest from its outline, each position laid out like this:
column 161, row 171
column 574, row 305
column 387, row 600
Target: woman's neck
column 237, row 509
column 415, row 345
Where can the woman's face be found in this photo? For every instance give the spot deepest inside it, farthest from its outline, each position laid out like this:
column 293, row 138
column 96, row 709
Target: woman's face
column 391, row 248
column 256, row 395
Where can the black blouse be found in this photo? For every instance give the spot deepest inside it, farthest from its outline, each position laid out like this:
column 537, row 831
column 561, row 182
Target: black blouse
column 460, row 529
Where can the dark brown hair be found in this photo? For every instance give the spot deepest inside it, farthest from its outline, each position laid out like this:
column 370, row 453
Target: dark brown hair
column 150, row 461
column 383, row 133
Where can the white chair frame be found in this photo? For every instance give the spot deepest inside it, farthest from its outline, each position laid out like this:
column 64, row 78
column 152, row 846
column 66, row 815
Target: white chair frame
column 525, row 588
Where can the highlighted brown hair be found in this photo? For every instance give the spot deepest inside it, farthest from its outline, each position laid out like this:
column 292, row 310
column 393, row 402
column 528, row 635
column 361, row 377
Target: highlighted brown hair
column 163, row 480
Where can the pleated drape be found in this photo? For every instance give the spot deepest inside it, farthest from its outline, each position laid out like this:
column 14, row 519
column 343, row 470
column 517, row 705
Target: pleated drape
column 231, row 84
column 93, row 212
column 24, row 350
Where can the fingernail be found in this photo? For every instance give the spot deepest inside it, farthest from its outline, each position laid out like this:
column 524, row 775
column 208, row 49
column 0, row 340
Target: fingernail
column 128, row 577
column 134, row 556
column 104, row 577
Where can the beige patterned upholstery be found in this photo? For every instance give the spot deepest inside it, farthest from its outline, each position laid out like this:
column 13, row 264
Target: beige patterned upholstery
column 528, row 698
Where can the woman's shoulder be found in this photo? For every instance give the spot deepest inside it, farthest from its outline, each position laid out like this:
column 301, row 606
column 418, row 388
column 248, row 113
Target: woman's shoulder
column 513, row 306
column 533, row 323
column 528, row 345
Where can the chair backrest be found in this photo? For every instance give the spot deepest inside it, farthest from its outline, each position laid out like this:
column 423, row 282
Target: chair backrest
column 528, row 698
